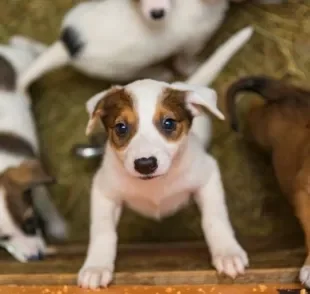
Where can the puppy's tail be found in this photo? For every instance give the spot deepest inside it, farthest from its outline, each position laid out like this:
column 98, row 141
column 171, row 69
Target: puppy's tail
column 53, row 57
column 270, row 89
column 210, row 69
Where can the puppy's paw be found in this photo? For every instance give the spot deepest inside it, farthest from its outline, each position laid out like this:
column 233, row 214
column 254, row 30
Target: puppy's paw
column 185, row 67
column 231, row 260
column 26, row 248
column 304, row 275
column 57, row 229
column 94, row 277
column 27, row 44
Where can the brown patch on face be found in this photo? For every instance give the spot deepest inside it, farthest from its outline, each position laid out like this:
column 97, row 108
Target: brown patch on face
column 172, row 107
column 17, row 183
column 14, row 144
column 7, row 75
column 116, row 113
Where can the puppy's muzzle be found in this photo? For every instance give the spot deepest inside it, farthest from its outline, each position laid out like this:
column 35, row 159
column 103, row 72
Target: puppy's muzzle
column 146, row 166
column 157, row 14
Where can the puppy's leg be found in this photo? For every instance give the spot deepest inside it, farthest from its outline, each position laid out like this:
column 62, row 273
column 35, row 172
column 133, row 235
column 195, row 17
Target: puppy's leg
column 186, row 61
column 302, row 207
column 157, row 72
column 98, row 267
column 228, row 257
column 56, row 226
column 27, row 44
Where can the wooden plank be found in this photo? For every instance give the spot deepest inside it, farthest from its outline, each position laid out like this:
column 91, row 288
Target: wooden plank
column 174, row 289
column 287, row 275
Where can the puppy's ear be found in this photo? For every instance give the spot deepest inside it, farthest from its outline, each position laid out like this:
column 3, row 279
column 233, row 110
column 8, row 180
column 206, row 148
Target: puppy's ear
column 28, row 175
column 200, row 100
column 95, row 109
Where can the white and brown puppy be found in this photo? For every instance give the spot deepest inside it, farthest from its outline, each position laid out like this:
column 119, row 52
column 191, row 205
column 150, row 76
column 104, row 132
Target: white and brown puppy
column 22, row 193
column 109, row 39
column 155, row 160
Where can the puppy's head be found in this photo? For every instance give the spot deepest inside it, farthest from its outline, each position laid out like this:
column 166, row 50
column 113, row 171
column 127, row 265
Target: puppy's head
column 147, row 122
column 155, row 10
column 16, row 184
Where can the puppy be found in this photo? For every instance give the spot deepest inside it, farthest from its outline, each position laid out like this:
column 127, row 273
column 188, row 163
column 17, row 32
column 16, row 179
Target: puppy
column 155, row 160
column 281, row 126
column 22, row 193
column 94, row 40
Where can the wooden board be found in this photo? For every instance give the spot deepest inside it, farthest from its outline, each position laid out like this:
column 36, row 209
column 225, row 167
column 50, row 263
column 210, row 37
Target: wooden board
column 168, row 264
column 199, row 289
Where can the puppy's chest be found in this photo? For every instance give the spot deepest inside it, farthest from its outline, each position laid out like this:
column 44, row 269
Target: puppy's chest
column 158, row 201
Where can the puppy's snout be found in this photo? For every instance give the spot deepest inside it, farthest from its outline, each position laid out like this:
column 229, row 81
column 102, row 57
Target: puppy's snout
column 146, row 166
column 157, row 13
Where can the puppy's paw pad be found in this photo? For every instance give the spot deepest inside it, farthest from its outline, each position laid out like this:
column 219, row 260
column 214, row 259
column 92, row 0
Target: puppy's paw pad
column 94, row 277
column 231, row 262
column 304, row 275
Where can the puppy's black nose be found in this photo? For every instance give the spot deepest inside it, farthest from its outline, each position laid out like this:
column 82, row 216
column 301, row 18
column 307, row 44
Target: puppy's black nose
column 157, row 13
column 146, row 166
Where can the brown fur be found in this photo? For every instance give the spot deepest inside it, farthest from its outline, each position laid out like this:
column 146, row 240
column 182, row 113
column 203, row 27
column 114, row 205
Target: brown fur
column 7, row 75
column 172, row 105
column 116, row 107
column 281, row 125
column 17, row 183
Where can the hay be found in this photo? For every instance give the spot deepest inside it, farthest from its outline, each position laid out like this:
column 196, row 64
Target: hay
column 280, row 47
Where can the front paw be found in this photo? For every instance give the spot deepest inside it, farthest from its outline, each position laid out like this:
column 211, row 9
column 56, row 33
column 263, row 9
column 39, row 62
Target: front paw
column 304, row 276
column 26, row 248
column 230, row 260
column 94, row 277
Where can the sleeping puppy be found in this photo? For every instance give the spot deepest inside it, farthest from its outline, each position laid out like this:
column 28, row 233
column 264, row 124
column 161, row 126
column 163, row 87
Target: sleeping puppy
column 155, row 160
column 281, row 126
column 113, row 40
column 22, row 193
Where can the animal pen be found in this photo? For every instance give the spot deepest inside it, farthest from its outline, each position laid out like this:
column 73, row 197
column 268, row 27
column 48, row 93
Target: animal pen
column 172, row 251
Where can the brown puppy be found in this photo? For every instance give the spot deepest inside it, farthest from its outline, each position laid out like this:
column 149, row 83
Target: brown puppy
column 281, row 126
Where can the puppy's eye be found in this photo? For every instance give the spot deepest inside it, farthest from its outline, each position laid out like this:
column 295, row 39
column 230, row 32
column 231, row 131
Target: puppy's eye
column 121, row 129
column 169, row 125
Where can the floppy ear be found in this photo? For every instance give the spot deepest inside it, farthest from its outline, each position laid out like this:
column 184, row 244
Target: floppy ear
column 28, row 175
column 200, row 100
column 95, row 109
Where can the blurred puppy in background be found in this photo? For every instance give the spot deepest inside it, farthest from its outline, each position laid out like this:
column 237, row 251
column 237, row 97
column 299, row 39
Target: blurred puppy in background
column 280, row 124
column 23, row 198
column 125, row 40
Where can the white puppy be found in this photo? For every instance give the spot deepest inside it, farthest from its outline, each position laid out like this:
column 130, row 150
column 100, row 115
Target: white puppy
column 109, row 39
column 21, row 174
column 155, row 160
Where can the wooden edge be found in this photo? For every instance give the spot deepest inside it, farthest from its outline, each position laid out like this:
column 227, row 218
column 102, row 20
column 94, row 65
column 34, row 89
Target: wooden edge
column 256, row 276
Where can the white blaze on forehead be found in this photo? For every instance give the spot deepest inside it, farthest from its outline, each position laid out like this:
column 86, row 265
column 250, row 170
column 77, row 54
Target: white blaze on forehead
column 145, row 94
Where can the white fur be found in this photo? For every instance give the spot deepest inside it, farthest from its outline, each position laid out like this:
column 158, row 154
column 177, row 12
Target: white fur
column 184, row 168
column 16, row 118
column 121, row 46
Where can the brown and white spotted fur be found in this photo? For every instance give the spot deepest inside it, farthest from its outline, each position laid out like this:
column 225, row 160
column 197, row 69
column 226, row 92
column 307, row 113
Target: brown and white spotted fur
column 281, row 126
column 155, row 160
column 22, row 193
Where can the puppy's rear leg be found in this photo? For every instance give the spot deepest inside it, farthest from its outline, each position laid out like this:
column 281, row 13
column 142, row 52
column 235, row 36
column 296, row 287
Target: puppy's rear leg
column 55, row 224
column 27, row 44
column 302, row 206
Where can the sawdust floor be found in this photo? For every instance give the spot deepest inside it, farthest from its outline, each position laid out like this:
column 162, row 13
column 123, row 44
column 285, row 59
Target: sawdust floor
column 199, row 289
